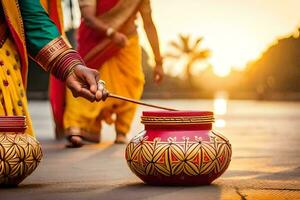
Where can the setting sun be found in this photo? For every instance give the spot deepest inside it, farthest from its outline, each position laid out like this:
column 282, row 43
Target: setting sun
column 235, row 31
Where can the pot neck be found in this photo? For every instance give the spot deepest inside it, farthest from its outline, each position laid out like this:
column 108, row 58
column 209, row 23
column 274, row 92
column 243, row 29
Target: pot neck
column 12, row 124
column 179, row 127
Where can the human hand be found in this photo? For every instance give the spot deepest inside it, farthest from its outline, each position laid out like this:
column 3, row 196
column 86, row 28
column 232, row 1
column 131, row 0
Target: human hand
column 158, row 73
column 119, row 39
column 83, row 82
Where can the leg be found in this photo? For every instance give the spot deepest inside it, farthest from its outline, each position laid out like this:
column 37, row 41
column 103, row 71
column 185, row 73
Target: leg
column 125, row 115
column 81, row 120
column 124, row 76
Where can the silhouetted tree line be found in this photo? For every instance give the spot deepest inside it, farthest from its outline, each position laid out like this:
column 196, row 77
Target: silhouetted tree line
column 278, row 69
column 275, row 75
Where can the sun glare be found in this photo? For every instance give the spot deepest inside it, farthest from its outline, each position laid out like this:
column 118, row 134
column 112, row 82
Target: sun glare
column 234, row 38
column 221, row 71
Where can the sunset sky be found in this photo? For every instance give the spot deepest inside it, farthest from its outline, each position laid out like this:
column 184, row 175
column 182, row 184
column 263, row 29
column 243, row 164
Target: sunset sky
column 236, row 31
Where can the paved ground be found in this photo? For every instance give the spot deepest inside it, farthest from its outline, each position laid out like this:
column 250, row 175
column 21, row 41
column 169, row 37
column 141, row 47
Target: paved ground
column 265, row 165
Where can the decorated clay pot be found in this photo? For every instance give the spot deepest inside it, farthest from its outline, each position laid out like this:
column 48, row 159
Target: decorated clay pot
column 20, row 153
column 178, row 148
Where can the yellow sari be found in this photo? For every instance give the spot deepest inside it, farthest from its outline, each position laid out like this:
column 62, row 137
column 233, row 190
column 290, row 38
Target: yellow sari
column 12, row 95
column 123, row 76
column 14, row 55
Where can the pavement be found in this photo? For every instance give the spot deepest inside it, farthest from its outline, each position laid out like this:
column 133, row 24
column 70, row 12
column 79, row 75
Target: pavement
column 265, row 137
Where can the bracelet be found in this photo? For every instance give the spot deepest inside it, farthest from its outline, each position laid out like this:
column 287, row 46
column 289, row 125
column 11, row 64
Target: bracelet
column 110, row 31
column 64, row 65
column 50, row 52
column 69, row 72
column 159, row 62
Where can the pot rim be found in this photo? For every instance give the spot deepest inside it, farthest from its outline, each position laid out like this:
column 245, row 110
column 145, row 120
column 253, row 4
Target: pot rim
column 181, row 113
column 177, row 117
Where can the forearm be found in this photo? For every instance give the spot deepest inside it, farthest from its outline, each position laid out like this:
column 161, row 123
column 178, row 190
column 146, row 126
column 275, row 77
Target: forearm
column 152, row 36
column 88, row 14
column 96, row 24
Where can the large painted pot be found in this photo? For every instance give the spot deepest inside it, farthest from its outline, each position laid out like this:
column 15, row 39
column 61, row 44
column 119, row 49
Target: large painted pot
column 20, row 153
column 178, row 148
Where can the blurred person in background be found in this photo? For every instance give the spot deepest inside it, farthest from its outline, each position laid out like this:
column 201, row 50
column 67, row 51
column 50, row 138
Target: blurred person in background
column 66, row 15
column 27, row 31
column 108, row 42
column 71, row 18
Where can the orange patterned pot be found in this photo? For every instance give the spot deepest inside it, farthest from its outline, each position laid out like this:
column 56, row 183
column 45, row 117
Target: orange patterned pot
column 20, row 153
column 178, row 148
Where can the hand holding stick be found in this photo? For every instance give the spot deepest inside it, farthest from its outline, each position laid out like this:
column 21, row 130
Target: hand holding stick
column 106, row 94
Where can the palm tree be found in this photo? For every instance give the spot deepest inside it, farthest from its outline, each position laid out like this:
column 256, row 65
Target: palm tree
column 190, row 50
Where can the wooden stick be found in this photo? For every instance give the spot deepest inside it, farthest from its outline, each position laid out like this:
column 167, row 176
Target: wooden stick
column 139, row 102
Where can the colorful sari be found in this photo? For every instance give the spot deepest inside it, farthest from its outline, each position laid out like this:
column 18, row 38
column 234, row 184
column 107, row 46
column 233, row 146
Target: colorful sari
column 28, row 32
column 13, row 62
column 12, row 91
column 120, row 68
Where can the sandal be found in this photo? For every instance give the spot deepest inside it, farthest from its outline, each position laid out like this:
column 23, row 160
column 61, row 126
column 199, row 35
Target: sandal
column 78, row 137
column 74, row 137
column 76, row 141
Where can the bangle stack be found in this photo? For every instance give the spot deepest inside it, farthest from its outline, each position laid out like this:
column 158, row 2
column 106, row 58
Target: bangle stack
column 64, row 65
column 58, row 58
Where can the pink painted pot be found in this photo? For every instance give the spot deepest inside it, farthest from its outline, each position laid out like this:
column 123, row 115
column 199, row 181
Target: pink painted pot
column 178, row 148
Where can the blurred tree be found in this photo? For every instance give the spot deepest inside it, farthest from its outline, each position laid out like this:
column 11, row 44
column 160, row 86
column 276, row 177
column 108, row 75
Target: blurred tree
column 278, row 69
column 189, row 50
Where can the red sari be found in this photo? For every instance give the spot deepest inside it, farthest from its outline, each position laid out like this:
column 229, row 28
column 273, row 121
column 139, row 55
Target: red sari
column 57, row 89
column 96, row 48
column 88, row 38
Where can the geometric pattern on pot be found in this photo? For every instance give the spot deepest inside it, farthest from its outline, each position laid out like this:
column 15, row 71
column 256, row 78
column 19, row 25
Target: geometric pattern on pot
column 20, row 154
column 173, row 157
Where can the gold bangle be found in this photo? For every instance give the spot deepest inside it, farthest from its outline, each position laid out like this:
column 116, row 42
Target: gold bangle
column 69, row 72
column 50, row 52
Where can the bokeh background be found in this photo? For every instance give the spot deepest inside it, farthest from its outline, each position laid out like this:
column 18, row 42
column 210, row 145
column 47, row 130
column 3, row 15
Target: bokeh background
column 246, row 49
column 238, row 58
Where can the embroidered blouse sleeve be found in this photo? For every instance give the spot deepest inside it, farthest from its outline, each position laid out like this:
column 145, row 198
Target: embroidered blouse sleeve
column 44, row 42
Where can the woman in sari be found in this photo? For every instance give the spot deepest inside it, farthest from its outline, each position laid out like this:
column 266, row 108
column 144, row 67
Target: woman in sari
column 26, row 31
column 108, row 42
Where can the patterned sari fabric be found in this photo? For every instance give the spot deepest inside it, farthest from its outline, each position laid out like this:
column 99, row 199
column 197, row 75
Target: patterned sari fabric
column 12, row 93
column 29, row 32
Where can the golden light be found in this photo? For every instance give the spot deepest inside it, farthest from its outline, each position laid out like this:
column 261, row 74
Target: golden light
column 234, row 38
column 220, row 108
column 220, row 123
column 222, row 71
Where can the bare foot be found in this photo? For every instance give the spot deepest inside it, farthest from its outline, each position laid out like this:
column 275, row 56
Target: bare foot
column 75, row 141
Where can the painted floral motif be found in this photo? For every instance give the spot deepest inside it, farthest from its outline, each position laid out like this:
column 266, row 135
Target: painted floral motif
column 20, row 154
column 188, row 157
